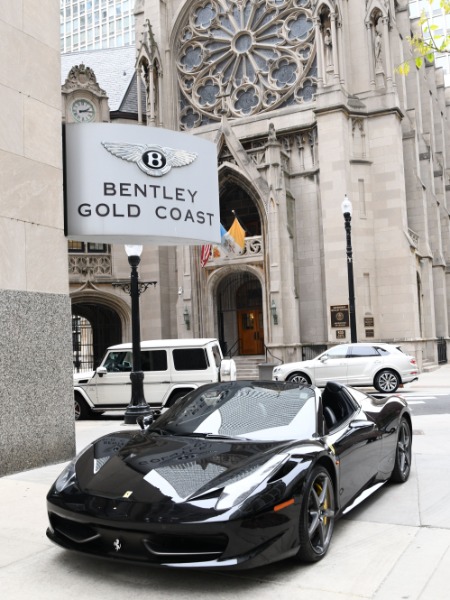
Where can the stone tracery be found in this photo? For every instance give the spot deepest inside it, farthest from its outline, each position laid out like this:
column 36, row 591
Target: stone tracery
column 242, row 57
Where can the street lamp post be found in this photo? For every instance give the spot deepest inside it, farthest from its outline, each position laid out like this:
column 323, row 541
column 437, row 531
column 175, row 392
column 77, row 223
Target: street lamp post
column 347, row 212
column 138, row 406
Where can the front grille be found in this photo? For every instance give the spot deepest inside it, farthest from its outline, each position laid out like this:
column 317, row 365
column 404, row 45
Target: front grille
column 76, row 532
column 192, row 546
column 156, row 548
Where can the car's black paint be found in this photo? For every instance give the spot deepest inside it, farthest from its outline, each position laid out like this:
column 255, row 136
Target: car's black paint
column 187, row 499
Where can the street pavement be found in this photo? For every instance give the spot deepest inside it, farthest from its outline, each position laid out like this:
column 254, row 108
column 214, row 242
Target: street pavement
column 394, row 546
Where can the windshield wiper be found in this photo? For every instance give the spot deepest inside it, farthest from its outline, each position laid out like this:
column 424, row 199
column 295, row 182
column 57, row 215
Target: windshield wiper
column 159, row 431
column 218, row 436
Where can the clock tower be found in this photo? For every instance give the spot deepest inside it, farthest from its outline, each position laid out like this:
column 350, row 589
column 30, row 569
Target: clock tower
column 83, row 100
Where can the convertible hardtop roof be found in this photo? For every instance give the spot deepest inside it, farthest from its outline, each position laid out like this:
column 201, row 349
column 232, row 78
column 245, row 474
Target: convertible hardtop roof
column 173, row 343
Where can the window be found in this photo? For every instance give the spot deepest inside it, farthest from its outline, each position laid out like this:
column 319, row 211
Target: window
column 383, row 351
column 217, row 356
column 118, row 362
column 190, row 359
column 358, row 351
column 154, row 360
column 90, row 248
column 337, row 351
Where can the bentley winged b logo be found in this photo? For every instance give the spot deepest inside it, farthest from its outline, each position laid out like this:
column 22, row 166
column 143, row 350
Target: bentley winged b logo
column 152, row 159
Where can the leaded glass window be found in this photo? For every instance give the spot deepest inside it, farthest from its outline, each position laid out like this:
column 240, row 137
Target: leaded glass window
column 244, row 57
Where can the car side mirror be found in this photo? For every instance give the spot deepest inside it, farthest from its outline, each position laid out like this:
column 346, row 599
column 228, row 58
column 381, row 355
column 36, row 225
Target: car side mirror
column 323, row 358
column 361, row 424
column 101, row 371
column 146, row 421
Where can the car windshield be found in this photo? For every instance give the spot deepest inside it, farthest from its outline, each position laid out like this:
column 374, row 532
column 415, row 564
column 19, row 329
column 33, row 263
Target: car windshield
column 251, row 410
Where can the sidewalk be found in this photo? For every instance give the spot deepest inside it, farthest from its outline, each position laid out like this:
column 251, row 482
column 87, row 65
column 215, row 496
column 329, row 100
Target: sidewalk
column 440, row 378
column 394, row 546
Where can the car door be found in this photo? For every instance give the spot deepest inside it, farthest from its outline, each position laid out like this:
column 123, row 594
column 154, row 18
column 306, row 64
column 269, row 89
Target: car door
column 331, row 365
column 363, row 362
column 357, row 443
column 157, row 375
column 113, row 387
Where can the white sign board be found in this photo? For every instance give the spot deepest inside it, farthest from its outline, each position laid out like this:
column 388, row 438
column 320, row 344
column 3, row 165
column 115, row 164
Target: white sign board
column 140, row 185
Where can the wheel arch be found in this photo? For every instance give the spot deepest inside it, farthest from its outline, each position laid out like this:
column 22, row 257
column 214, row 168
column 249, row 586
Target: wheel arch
column 328, row 464
column 405, row 415
column 84, row 396
column 176, row 393
column 391, row 369
column 301, row 372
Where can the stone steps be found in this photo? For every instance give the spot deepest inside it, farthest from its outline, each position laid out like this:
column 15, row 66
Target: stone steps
column 247, row 366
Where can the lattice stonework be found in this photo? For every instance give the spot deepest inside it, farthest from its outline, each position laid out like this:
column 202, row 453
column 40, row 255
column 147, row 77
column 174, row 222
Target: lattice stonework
column 245, row 57
column 90, row 265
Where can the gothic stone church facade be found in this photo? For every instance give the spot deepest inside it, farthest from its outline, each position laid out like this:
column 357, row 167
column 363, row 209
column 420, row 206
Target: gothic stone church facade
column 303, row 102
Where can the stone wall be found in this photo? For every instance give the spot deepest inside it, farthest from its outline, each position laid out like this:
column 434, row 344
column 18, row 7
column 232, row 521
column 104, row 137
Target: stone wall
column 36, row 398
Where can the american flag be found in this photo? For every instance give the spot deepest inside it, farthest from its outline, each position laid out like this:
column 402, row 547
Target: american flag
column 205, row 254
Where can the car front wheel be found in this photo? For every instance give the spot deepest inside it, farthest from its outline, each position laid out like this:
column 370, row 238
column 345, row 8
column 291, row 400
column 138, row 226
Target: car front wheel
column 402, row 466
column 82, row 410
column 316, row 516
column 387, row 381
column 298, row 378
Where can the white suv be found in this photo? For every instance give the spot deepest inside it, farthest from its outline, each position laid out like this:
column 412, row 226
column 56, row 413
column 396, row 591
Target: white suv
column 172, row 368
column 383, row 366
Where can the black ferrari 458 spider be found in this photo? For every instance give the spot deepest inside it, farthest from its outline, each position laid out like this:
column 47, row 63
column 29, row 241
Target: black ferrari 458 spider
column 236, row 474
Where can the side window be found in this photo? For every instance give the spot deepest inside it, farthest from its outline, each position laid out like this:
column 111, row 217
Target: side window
column 190, row 359
column 382, row 351
column 338, row 351
column 154, row 360
column 358, row 351
column 217, row 355
column 117, row 362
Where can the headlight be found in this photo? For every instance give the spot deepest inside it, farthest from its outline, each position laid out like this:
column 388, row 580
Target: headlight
column 68, row 477
column 234, row 493
column 278, row 372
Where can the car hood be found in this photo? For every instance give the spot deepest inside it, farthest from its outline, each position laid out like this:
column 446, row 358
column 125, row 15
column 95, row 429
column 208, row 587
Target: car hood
column 303, row 364
column 168, row 472
column 83, row 375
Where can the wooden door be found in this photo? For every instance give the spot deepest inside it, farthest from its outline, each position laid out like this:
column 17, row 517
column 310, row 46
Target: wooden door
column 251, row 332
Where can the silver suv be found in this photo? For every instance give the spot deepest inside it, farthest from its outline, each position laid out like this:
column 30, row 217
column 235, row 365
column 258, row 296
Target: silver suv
column 383, row 366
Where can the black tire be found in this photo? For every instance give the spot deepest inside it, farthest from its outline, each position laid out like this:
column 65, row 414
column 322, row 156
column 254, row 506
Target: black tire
column 403, row 453
column 82, row 410
column 387, row 381
column 316, row 516
column 298, row 378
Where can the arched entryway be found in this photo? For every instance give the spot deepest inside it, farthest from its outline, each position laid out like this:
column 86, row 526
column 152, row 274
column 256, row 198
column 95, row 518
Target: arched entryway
column 94, row 328
column 239, row 302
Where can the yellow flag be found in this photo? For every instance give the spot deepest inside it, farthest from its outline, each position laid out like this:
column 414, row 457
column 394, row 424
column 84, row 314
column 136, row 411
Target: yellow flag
column 237, row 233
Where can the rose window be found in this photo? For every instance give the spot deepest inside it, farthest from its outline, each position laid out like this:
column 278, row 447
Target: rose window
column 243, row 57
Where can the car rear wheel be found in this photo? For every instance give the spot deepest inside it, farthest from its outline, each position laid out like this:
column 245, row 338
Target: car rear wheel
column 298, row 378
column 316, row 516
column 387, row 381
column 403, row 453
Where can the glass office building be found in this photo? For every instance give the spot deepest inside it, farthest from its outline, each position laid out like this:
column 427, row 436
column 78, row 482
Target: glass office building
column 96, row 24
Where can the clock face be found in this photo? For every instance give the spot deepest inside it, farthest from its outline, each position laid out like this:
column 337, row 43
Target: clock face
column 83, row 111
